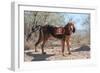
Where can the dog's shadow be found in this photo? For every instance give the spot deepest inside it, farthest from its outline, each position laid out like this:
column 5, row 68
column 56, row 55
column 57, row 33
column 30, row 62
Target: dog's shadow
column 82, row 48
column 39, row 57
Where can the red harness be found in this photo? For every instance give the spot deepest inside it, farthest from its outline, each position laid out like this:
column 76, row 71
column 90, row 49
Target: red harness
column 59, row 30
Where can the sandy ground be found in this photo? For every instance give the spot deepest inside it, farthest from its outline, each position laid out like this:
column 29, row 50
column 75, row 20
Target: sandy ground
column 81, row 52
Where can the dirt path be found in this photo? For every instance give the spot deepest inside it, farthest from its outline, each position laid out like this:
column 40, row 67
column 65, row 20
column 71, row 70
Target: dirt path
column 82, row 52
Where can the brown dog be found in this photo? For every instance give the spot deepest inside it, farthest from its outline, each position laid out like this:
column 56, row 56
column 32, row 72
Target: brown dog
column 62, row 33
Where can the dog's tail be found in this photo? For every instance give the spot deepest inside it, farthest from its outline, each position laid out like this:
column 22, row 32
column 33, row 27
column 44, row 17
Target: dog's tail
column 34, row 29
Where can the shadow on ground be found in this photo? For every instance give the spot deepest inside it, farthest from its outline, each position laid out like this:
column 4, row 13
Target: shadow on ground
column 82, row 48
column 39, row 57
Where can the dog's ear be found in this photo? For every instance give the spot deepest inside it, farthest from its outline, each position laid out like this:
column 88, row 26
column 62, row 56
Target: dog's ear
column 74, row 29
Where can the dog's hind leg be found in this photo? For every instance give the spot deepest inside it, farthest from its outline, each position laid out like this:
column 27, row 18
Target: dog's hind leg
column 36, row 44
column 42, row 47
column 40, row 39
column 45, row 38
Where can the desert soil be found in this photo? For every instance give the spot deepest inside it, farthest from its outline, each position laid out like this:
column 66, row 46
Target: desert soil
column 81, row 52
